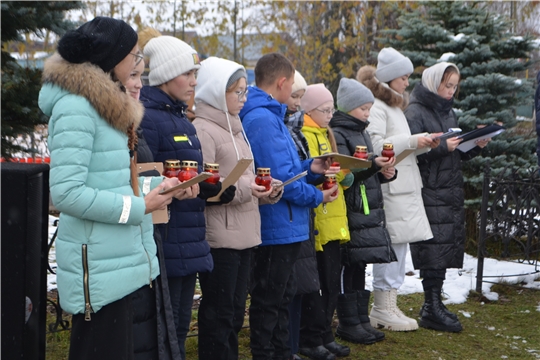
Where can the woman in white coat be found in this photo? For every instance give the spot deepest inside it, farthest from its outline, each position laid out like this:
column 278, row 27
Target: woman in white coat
column 406, row 217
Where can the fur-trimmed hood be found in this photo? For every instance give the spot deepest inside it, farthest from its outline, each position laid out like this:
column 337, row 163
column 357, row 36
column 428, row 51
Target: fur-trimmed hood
column 381, row 91
column 87, row 80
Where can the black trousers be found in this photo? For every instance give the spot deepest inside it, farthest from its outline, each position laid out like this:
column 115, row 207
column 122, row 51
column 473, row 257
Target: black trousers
column 145, row 329
column 273, row 287
column 432, row 277
column 295, row 311
column 107, row 336
column 318, row 308
column 353, row 278
column 223, row 304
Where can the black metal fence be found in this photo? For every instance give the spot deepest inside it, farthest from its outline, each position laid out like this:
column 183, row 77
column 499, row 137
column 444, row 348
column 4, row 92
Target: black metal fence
column 509, row 219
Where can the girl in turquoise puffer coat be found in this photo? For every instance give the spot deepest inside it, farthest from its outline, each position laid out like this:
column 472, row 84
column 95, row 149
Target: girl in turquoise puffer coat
column 105, row 248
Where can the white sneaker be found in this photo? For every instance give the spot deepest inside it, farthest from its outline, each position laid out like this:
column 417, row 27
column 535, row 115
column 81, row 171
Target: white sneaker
column 386, row 315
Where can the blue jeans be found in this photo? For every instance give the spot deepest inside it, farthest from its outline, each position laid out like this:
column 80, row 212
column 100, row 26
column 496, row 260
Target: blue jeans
column 182, row 290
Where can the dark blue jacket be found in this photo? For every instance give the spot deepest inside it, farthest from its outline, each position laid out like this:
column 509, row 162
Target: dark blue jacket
column 170, row 135
column 287, row 221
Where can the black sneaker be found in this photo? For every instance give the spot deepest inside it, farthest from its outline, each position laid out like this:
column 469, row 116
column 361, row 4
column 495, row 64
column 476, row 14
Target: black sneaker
column 338, row 349
column 317, row 353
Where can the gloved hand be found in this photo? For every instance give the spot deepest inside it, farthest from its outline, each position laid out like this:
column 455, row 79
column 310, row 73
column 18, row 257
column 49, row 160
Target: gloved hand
column 347, row 180
column 207, row 190
column 226, row 196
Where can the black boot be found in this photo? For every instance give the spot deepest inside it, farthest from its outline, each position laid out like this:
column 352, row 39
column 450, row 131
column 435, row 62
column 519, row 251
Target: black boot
column 445, row 309
column 435, row 277
column 433, row 314
column 317, row 353
column 349, row 327
column 362, row 304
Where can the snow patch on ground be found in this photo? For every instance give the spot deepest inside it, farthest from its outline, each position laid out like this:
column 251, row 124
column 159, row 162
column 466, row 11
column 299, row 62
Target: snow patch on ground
column 456, row 288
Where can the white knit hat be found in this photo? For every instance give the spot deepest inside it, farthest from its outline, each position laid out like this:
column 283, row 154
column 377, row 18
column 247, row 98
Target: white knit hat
column 391, row 64
column 299, row 82
column 169, row 57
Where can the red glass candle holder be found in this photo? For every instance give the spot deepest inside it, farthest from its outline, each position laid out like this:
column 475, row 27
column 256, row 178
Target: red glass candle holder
column 388, row 150
column 329, row 182
column 263, row 178
column 361, row 152
column 188, row 170
column 172, row 167
column 214, row 170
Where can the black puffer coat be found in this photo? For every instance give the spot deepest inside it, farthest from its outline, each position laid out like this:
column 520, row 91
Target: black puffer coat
column 443, row 192
column 370, row 241
column 145, row 318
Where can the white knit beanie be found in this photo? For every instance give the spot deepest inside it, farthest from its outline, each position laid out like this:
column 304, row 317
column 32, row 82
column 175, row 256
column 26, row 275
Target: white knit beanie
column 299, row 82
column 391, row 64
column 169, row 57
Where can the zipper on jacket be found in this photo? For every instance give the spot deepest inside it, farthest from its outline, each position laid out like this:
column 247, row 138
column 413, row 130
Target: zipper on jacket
column 290, row 211
column 86, row 284
column 149, row 261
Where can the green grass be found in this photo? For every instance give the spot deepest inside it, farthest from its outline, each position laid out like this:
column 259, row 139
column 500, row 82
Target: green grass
column 508, row 328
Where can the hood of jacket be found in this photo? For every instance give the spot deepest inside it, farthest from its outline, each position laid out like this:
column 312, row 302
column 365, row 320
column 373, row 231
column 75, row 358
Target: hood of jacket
column 421, row 95
column 152, row 97
column 312, row 127
column 87, row 80
column 381, row 91
column 222, row 119
column 259, row 98
column 349, row 122
column 212, row 81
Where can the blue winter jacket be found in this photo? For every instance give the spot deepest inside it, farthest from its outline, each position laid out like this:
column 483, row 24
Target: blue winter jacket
column 105, row 248
column 287, row 221
column 170, row 135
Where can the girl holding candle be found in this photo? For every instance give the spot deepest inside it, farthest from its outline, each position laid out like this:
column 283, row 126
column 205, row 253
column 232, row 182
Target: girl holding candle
column 233, row 223
column 330, row 229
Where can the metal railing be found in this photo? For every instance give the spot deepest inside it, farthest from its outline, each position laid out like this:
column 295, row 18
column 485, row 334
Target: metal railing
column 509, row 219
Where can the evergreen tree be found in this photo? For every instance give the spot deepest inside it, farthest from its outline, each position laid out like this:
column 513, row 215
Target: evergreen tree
column 489, row 56
column 20, row 85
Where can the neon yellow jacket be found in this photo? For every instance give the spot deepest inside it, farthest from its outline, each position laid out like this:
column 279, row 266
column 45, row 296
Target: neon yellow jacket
column 330, row 219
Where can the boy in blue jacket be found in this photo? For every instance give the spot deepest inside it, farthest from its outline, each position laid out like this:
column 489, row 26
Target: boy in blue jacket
column 284, row 225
